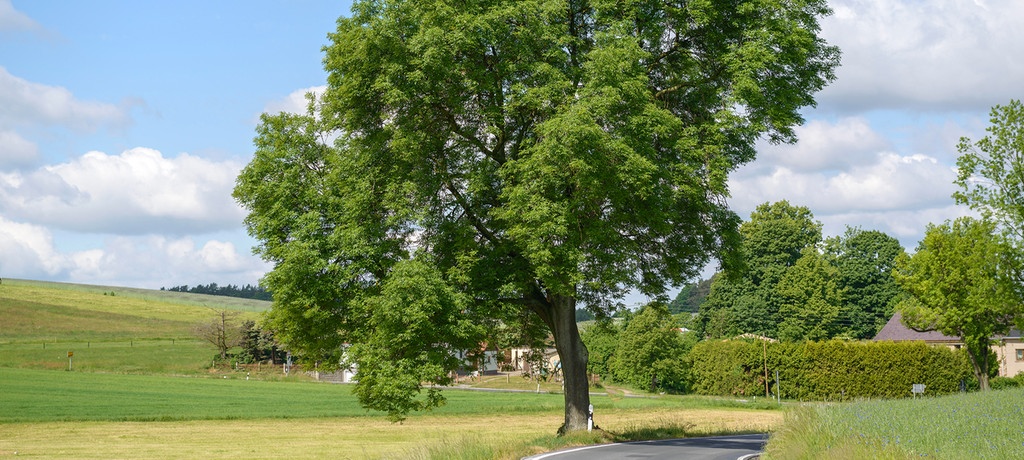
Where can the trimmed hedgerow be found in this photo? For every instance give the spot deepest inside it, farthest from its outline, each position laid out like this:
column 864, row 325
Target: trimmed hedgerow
column 832, row 370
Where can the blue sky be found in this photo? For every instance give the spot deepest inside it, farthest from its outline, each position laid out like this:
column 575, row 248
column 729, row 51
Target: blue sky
column 123, row 125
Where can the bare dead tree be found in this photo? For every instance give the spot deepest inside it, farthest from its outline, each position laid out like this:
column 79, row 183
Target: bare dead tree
column 222, row 331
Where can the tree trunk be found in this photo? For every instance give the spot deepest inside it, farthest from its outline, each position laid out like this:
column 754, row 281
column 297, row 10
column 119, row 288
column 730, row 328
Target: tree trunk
column 573, row 355
column 978, row 355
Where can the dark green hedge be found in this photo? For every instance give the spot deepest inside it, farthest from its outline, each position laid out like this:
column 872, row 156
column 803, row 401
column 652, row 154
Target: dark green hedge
column 832, row 370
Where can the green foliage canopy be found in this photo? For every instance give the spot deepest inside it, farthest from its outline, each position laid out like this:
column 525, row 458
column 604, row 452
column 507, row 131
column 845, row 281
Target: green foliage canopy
column 864, row 261
column 960, row 282
column 796, row 288
column 690, row 297
column 809, row 299
column 601, row 339
column 650, row 353
column 991, row 170
column 543, row 153
column 773, row 239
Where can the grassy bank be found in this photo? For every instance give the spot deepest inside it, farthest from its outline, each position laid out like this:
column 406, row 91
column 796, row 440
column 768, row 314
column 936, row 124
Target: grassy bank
column 423, row 437
column 973, row 425
column 117, row 330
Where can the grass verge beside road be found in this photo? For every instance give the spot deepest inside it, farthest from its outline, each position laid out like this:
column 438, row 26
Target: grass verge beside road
column 972, row 425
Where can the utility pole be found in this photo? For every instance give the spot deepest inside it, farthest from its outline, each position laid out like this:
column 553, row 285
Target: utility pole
column 765, row 343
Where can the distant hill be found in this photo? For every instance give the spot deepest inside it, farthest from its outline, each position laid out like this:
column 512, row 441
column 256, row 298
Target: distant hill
column 231, row 290
column 109, row 328
column 181, row 298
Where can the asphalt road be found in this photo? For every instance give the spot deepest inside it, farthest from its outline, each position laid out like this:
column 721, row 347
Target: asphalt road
column 713, row 448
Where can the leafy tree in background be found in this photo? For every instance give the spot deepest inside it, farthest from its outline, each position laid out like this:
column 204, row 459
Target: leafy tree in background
column 537, row 154
column 650, row 353
column 991, row 170
column 601, row 340
column 773, row 240
column 961, row 283
column 864, row 260
column 690, row 297
column 851, row 272
column 809, row 299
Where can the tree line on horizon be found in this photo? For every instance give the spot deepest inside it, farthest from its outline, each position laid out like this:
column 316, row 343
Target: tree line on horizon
column 247, row 291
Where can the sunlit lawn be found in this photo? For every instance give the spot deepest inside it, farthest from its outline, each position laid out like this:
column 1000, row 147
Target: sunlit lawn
column 87, row 415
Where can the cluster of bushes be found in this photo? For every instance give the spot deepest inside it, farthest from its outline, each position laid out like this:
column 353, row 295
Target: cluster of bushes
column 1001, row 383
column 645, row 350
column 831, row 370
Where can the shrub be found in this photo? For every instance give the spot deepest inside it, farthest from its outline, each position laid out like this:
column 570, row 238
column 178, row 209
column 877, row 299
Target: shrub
column 650, row 352
column 832, row 370
column 1002, row 383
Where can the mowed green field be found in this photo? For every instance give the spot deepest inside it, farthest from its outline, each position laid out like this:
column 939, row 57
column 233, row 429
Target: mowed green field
column 61, row 414
column 47, row 396
column 141, row 387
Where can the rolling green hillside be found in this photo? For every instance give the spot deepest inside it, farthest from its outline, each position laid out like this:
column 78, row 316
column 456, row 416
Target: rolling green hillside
column 109, row 329
column 171, row 297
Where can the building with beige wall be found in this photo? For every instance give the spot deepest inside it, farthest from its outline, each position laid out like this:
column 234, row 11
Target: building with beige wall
column 1009, row 348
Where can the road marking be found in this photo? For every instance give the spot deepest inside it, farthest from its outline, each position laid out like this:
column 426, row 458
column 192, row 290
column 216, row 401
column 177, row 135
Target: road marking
column 569, row 451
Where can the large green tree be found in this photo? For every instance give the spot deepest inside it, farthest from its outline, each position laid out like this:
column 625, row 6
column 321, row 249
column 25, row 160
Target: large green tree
column 538, row 154
column 991, row 170
column 864, row 260
column 960, row 282
column 809, row 298
column 773, row 240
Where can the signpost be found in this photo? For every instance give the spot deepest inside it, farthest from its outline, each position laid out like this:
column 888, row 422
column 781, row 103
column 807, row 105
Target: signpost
column 70, row 354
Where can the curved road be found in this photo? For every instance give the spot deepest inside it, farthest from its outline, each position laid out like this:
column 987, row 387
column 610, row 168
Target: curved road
column 714, row 448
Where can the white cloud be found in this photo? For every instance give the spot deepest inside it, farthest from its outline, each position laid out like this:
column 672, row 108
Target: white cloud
column 16, row 151
column 14, row 20
column 931, row 55
column 893, row 182
column 908, row 226
column 136, row 192
column 157, row 261
column 825, row 145
column 295, row 102
column 26, row 251
column 25, row 102
column 220, row 256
